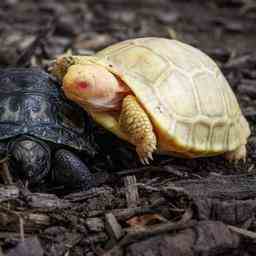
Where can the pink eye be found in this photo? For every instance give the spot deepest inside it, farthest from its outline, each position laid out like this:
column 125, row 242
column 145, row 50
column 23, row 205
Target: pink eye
column 82, row 85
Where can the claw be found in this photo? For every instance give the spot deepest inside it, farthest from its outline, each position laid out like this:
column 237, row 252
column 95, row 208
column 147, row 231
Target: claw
column 144, row 160
column 145, row 154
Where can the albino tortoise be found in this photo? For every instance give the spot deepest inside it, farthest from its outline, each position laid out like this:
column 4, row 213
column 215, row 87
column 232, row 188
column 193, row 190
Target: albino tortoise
column 160, row 95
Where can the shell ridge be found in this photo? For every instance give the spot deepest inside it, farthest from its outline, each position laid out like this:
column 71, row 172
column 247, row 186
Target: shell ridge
column 196, row 95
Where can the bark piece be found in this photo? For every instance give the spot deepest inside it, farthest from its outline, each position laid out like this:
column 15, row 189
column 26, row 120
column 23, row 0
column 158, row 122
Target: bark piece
column 29, row 247
column 221, row 186
column 206, row 238
column 94, row 224
column 46, row 201
column 8, row 192
column 234, row 212
column 113, row 227
column 131, row 191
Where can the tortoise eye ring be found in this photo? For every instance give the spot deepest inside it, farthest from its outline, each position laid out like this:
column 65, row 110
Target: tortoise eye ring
column 82, row 85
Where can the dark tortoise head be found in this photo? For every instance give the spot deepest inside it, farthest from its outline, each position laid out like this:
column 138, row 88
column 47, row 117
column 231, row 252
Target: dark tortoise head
column 30, row 159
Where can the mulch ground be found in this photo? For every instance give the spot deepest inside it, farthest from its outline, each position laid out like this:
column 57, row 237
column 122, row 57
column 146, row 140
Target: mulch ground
column 171, row 207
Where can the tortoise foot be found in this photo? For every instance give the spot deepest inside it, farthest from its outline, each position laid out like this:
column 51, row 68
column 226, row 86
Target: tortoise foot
column 236, row 155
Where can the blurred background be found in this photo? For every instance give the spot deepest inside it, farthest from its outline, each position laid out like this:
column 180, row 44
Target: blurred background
column 220, row 27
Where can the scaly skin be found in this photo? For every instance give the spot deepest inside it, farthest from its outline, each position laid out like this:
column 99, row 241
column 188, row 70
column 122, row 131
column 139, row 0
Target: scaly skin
column 61, row 65
column 134, row 121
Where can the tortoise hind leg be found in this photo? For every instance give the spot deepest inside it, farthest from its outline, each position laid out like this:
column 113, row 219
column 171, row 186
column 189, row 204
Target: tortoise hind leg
column 237, row 154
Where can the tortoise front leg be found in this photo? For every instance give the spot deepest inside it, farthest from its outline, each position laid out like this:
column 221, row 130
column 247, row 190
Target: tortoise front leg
column 69, row 171
column 136, row 124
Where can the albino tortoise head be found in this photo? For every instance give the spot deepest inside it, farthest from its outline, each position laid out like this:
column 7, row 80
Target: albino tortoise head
column 92, row 87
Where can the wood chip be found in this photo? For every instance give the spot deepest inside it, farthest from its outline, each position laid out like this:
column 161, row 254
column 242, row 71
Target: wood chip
column 5, row 172
column 244, row 232
column 94, row 224
column 98, row 238
column 26, row 221
column 46, row 201
column 8, row 192
column 113, row 228
column 131, row 191
column 91, row 193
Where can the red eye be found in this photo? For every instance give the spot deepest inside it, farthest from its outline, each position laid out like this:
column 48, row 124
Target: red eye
column 82, row 85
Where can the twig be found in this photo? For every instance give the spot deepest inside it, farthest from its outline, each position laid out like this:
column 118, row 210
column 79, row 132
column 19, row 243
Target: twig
column 134, row 236
column 1, row 251
column 165, row 168
column 7, row 177
column 21, row 222
column 243, row 232
column 124, row 214
column 140, row 170
column 22, row 234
